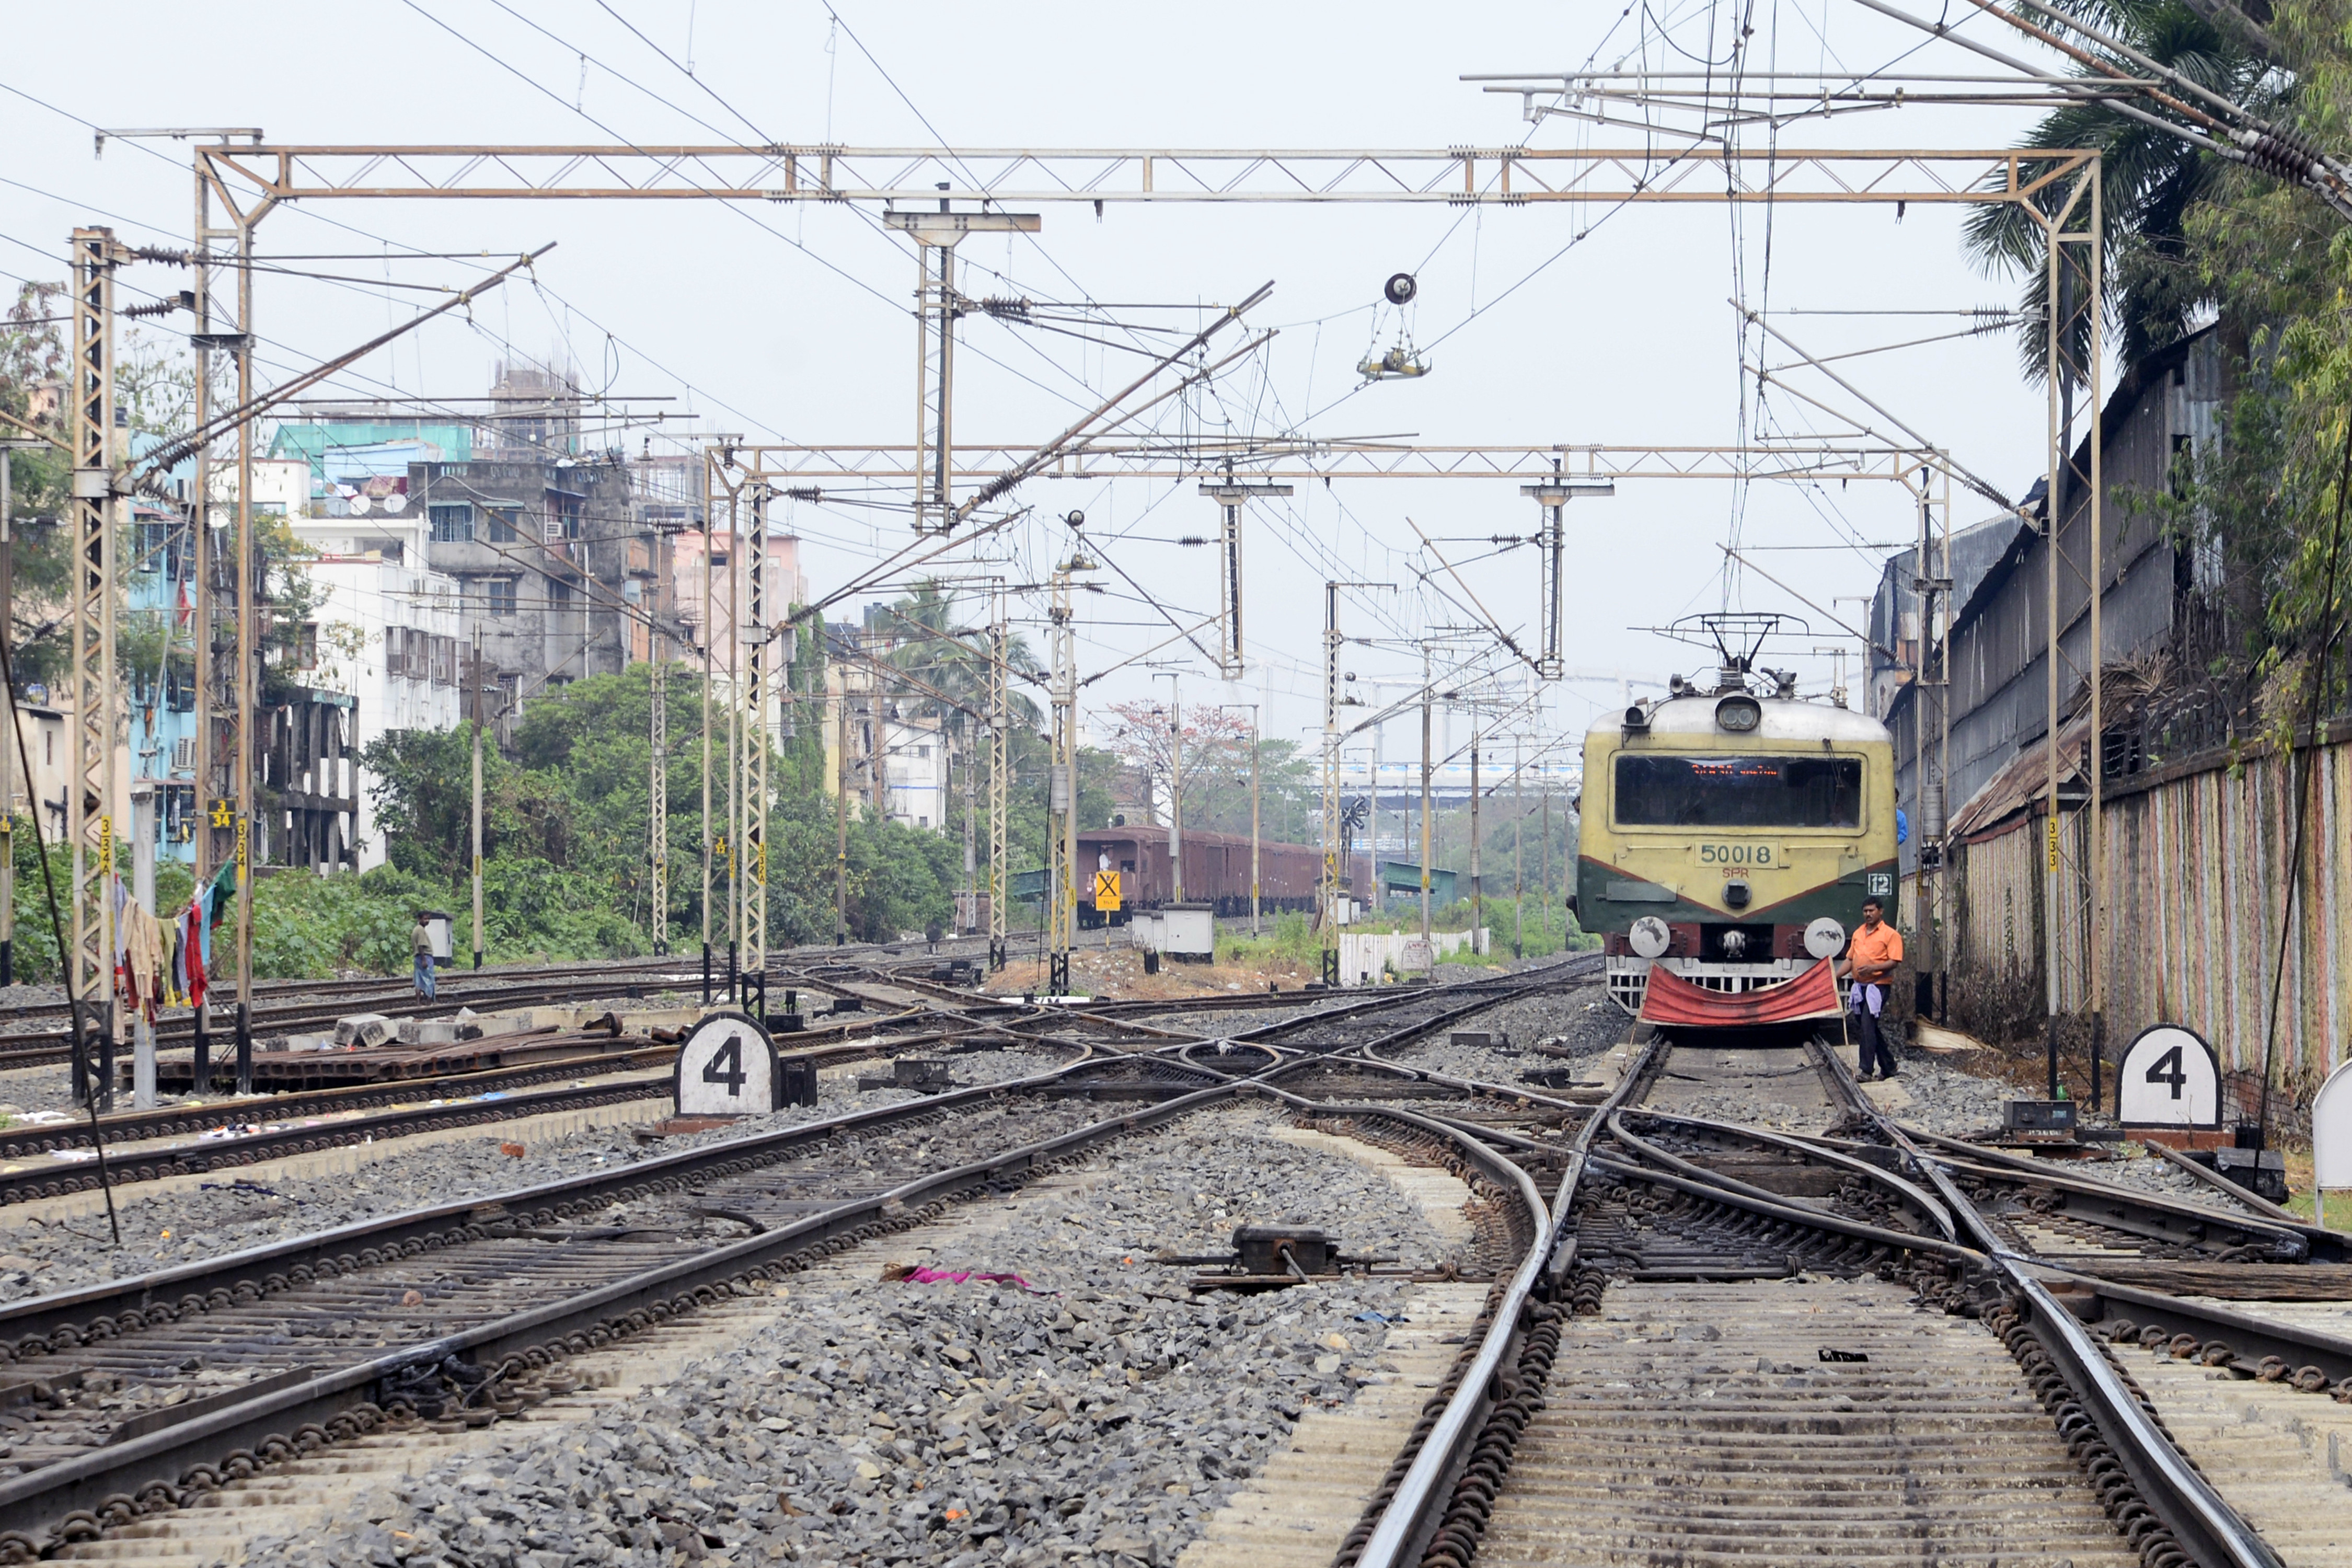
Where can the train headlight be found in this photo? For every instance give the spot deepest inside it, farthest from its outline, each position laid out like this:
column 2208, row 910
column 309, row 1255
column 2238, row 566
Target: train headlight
column 1824, row 937
column 1736, row 894
column 1738, row 714
column 1649, row 938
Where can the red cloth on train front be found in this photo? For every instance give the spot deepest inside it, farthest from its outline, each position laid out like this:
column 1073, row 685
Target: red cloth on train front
column 1673, row 1001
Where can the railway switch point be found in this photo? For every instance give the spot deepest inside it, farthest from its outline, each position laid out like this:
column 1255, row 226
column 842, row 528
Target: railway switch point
column 923, row 1076
column 2039, row 1116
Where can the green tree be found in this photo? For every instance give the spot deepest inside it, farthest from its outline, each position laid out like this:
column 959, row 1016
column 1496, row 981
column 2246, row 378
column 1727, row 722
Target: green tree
column 2149, row 182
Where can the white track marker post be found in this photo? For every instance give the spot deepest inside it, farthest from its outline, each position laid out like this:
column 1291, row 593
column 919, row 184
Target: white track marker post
column 2331, row 1139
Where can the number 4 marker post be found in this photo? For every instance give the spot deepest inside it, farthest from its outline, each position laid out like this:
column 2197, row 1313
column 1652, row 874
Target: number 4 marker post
column 2169, row 1078
column 727, row 1068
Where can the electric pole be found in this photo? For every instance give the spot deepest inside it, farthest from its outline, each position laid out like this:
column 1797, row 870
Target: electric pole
column 938, row 305
column 475, row 683
column 1175, row 785
column 1062, row 778
column 8, row 450
column 754, row 837
column 1546, row 927
column 840, row 810
column 1477, row 883
column 1519, row 867
column 1551, row 538
column 1426, row 681
column 1229, row 494
column 998, row 765
column 1332, row 873
column 247, row 704
column 734, row 839
column 658, row 786
column 710, row 608
column 1254, row 802
column 90, row 780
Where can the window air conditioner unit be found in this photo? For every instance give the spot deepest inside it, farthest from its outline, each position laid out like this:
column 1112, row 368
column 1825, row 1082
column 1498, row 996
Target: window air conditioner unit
column 183, row 755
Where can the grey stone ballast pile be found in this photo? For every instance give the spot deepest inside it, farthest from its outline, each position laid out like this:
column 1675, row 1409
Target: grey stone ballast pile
column 1101, row 1417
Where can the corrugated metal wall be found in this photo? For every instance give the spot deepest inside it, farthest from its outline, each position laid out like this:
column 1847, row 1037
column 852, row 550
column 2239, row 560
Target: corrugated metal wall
column 2197, row 882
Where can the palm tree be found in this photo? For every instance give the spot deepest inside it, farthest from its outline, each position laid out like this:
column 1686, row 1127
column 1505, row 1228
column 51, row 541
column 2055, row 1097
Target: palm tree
column 2149, row 180
column 953, row 660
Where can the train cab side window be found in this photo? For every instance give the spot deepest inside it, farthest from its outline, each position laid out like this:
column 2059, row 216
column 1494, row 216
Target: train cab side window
column 1747, row 791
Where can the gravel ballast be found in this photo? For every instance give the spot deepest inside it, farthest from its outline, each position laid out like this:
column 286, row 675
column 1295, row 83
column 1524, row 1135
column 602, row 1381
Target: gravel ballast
column 1101, row 1417
column 228, row 1213
column 1576, row 1018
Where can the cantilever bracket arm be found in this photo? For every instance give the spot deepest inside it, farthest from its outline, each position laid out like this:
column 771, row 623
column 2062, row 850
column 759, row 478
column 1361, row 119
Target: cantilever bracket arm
column 229, row 419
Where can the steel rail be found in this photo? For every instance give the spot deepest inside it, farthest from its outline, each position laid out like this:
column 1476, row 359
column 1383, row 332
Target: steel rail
column 2212, row 1532
column 108, row 1478
column 2156, row 1216
column 2201, row 1519
column 129, row 1167
column 2198, row 1518
column 255, row 1266
column 30, row 1139
column 35, row 1500
column 1770, row 1206
column 1413, row 1513
column 2249, row 1338
column 1907, row 1191
column 2222, row 1184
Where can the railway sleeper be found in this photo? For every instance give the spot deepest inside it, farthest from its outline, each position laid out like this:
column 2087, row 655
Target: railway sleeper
column 1937, row 1281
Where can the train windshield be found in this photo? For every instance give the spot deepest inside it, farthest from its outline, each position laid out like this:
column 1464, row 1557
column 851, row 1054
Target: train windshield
column 1654, row 791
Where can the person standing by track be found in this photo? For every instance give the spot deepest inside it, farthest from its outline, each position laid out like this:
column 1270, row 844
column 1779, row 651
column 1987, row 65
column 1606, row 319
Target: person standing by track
column 1871, row 956
column 420, row 943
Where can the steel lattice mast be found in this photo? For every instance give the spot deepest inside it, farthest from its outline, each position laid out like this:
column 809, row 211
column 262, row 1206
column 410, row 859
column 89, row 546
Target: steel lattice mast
column 91, row 789
column 998, row 765
column 658, row 790
column 753, row 880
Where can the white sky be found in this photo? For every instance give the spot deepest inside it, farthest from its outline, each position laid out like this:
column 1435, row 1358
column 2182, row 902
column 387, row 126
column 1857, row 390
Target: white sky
column 1624, row 338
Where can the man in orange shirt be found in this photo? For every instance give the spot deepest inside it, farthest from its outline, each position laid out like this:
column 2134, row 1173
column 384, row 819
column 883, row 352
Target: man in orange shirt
column 1872, row 954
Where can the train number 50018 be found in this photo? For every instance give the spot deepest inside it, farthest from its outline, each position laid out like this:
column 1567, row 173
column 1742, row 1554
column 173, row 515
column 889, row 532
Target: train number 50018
column 1737, row 854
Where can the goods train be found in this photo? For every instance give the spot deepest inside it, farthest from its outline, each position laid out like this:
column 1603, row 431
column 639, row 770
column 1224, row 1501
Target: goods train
column 1728, row 837
column 1216, row 871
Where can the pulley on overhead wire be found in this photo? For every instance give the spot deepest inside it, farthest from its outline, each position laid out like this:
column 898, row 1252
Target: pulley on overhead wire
column 1400, row 362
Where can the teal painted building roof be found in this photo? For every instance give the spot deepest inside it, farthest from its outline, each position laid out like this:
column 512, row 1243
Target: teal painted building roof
column 451, row 442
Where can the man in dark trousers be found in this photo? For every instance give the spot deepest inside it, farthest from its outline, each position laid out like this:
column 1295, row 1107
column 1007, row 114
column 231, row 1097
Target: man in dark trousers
column 420, row 943
column 1871, row 956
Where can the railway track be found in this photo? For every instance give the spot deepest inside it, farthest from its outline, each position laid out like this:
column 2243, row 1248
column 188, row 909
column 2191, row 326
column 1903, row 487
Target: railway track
column 1745, row 1344
column 293, row 1124
column 296, row 1006
column 247, row 1132
column 1691, row 1339
column 458, row 1315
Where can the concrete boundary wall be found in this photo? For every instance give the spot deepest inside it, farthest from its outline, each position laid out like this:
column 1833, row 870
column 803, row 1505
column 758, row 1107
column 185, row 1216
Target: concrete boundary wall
column 1367, row 953
column 2196, row 878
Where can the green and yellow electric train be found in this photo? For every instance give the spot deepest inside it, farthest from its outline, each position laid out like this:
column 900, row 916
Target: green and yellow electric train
column 1730, row 836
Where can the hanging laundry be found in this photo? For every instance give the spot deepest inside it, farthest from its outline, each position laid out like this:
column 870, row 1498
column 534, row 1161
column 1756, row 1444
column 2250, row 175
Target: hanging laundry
column 143, row 961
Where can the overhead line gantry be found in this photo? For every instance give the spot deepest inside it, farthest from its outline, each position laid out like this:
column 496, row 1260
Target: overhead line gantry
column 2057, row 188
